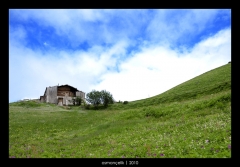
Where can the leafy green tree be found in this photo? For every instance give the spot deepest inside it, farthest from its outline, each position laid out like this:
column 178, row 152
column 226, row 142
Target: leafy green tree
column 99, row 97
column 106, row 98
column 94, row 97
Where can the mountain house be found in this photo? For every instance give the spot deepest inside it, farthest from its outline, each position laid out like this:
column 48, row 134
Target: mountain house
column 61, row 94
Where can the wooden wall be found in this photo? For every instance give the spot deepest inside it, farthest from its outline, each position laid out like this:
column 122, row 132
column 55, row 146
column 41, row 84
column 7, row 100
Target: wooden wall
column 65, row 90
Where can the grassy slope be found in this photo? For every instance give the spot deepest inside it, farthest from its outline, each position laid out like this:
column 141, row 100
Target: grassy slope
column 192, row 119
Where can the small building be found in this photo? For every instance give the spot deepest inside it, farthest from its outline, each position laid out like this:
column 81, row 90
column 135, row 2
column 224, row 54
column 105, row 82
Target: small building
column 42, row 99
column 61, row 95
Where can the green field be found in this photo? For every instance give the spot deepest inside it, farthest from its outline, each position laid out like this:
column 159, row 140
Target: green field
column 191, row 120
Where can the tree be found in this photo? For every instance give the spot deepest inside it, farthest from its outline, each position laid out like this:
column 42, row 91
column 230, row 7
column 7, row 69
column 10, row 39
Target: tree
column 106, row 98
column 99, row 97
column 94, row 97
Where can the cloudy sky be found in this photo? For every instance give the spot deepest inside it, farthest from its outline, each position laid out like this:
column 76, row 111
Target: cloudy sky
column 133, row 54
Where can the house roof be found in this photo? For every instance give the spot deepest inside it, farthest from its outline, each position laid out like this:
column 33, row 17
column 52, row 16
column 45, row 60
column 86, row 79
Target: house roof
column 45, row 91
column 69, row 86
column 63, row 86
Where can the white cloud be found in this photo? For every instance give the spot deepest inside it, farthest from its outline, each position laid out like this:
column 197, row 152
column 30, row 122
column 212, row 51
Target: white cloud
column 150, row 69
column 92, row 25
column 149, row 72
column 155, row 70
column 33, row 71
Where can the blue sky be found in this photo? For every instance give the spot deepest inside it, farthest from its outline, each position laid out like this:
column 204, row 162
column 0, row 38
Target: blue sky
column 133, row 54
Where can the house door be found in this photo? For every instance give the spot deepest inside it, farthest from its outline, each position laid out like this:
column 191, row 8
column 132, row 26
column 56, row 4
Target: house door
column 60, row 101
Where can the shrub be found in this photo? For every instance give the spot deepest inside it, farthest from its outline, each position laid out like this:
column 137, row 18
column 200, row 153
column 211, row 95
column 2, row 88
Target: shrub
column 87, row 106
column 125, row 102
column 78, row 101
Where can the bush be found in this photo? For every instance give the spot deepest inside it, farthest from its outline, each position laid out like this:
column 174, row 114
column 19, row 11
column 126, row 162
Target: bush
column 125, row 102
column 78, row 101
column 87, row 106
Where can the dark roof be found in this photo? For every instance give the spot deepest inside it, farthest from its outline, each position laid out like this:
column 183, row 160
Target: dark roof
column 68, row 86
column 62, row 86
column 45, row 92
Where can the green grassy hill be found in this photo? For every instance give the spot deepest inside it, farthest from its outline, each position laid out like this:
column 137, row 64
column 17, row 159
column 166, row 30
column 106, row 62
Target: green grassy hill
column 191, row 120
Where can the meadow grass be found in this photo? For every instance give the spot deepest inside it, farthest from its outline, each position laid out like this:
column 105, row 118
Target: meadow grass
column 191, row 120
